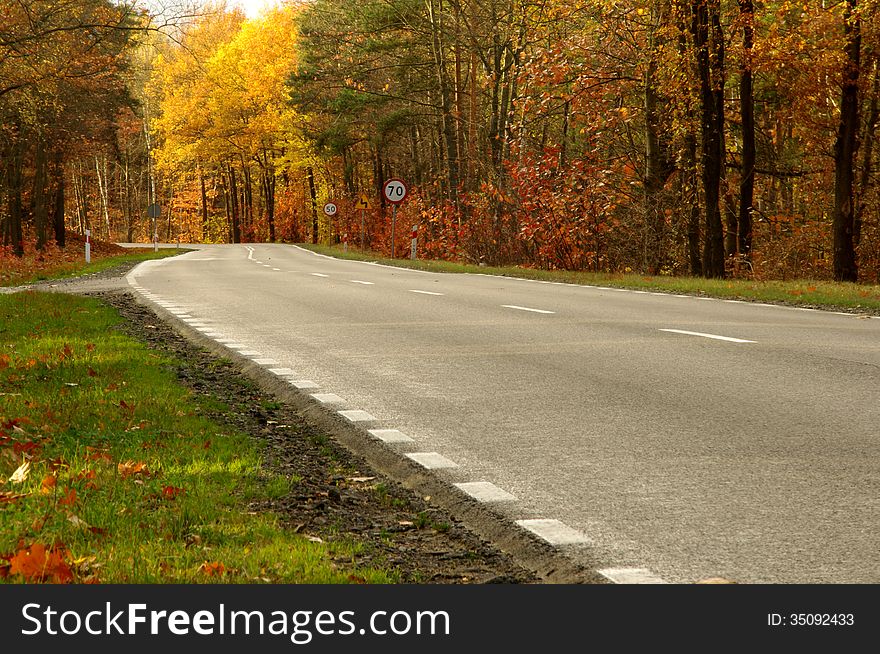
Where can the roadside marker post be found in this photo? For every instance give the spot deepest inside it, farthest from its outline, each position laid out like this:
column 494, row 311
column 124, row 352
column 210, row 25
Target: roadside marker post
column 415, row 240
column 345, row 242
column 395, row 191
column 88, row 246
column 363, row 205
column 154, row 211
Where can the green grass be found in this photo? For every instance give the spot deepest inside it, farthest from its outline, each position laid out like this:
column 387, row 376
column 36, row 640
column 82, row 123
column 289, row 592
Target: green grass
column 19, row 273
column 862, row 298
column 125, row 473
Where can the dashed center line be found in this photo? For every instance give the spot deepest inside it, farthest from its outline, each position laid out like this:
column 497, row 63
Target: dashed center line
column 318, row 275
column 518, row 308
column 713, row 336
column 413, row 290
column 360, row 281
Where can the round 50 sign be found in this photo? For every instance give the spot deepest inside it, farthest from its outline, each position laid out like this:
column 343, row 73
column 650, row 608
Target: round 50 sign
column 330, row 209
column 395, row 190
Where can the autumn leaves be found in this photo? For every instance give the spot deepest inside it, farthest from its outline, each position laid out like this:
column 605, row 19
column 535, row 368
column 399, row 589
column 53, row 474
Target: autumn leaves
column 110, row 472
column 58, row 504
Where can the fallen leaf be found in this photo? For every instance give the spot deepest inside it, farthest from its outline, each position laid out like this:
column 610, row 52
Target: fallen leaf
column 36, row 563
column 171, row 492
column 76, row 521
column 48, row 484
column 212, row 569
column 69, row 498
column 9, row 496
column 21, row 473
column 130, row 468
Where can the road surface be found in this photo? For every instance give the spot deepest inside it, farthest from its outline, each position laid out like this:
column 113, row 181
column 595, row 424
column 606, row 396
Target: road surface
column 680, row 436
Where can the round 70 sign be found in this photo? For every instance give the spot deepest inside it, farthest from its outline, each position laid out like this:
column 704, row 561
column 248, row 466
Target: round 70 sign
column 395, row 190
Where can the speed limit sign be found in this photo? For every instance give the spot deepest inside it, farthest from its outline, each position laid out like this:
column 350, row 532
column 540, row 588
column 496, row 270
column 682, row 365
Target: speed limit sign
column 330, row 209
column 395, row 190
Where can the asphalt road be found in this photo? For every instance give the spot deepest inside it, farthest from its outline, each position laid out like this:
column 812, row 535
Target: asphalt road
column 756, row 459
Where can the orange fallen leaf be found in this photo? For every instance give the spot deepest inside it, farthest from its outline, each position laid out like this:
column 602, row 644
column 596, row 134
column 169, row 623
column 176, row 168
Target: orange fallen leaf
column 36, row 563
column 171, row 492
column 98, row 455
column 212, row 569
column 48, row 485
column 69, row 498
column 130, row 468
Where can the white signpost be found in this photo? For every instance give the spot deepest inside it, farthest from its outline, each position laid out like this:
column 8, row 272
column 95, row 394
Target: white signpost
column 88, row 246
column 415, row 241
column 395, row 192
column 154, row 211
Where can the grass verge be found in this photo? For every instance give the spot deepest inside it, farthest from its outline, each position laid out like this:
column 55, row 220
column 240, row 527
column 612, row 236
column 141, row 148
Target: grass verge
column 109, row 472
column 861, row 298
column 16, row 272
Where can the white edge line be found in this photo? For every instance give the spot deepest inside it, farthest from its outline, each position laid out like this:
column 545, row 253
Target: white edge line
column 712, row 336
column 519, row 308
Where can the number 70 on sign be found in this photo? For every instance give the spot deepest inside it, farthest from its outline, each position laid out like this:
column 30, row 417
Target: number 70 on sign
column 395, row 190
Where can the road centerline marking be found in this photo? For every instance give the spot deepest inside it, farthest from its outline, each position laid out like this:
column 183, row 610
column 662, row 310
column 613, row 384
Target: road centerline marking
column 360, row 281
column 519, row 308
column 318, row 275
column 414, row 290
column 716, row 337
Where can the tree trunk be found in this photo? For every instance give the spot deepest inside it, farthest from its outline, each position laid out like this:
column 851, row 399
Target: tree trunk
column 658, row 167
column 269, row 200
column 58, row 202
column 204, row 198
column 310, row 173
column 41, row 207
column 867, row 156
column 845, row 268
column 747, row 113
column 708, row 40
column 234, row 206
column 13, row 197
column 447, row 119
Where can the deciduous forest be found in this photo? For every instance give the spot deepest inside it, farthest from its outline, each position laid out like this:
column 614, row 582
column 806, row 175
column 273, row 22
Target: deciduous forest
column 667, row 137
